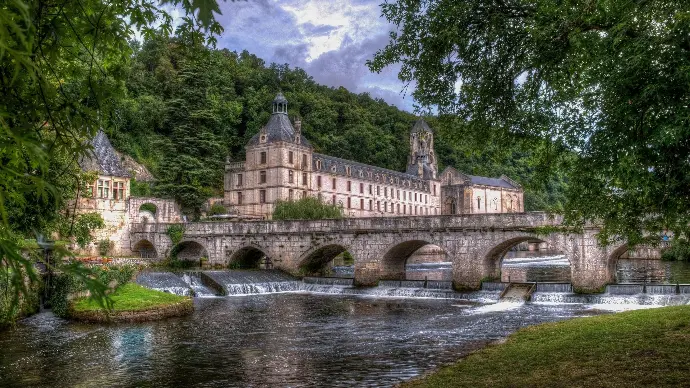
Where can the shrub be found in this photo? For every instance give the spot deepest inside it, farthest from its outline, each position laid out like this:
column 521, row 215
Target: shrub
column 678, row 251
column 216, row 209
column 65, row 285
column 175, row 232
column 104, row 247
column 86, row 223
column 308, row 208
column 149, row 207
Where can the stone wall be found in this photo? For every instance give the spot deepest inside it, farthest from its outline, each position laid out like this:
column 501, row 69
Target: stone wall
column 381, row 246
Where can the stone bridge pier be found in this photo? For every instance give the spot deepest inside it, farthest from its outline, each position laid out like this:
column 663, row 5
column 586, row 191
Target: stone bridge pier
column 381, row 246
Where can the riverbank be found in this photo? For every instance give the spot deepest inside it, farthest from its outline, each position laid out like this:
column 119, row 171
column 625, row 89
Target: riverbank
column 133, row 303
column 635, row 348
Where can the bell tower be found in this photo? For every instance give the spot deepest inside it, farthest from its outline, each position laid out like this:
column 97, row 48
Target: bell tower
column 422, row 159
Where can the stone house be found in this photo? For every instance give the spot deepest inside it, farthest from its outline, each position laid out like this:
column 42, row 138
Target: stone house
column 281, row 164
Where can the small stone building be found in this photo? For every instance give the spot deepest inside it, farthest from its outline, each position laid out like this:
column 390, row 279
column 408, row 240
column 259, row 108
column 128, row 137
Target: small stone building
column 281, row 164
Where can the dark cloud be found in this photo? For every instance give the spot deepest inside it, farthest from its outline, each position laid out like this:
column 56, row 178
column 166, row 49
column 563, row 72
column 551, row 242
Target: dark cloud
column 269, row 30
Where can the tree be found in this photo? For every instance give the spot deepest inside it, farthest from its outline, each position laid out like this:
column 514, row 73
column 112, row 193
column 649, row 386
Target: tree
column 605, row 83
column 307, row 208
column 61, row 67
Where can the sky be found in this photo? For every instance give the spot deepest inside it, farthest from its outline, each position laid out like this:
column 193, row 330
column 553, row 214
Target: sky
column 330, row 40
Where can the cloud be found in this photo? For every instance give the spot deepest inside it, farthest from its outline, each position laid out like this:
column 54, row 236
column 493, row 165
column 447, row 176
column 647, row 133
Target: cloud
column 331, row 41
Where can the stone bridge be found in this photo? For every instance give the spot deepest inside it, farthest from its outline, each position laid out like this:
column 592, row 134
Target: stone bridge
column 380, row 246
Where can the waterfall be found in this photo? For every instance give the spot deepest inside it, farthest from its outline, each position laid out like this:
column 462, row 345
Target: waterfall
column 624, row 289
column 554, row 287
column 494, row 286
column 194, row 281
column 164, row 281
column 329, row 281
column 235, row 282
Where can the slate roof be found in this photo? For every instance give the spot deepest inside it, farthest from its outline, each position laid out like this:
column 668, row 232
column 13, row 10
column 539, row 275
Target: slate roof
column 103, row 159
column 327, row 163
column 420, row 124
column 279, row 128
column 497, row 182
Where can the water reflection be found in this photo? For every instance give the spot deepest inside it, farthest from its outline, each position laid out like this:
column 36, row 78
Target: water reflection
column 652, row 271
column 267, row 340
column 535, row 266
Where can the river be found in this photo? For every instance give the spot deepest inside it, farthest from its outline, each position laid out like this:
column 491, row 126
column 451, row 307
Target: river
column 289, row 339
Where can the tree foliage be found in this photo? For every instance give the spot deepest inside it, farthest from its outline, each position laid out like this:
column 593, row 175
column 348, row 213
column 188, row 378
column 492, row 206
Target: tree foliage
column 605, row 83
column 307, row 208
column 188, row 107
column 61, row 68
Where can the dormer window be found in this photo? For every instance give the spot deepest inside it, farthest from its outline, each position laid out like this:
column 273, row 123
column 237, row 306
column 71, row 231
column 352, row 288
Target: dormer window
column 348, row 171
column 262, row 138
column 318, row 164
column 333, row 169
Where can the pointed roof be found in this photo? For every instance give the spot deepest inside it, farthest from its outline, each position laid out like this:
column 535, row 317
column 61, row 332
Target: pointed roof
column 279, row 128
column 503, row 181
column 421, row 125
column 103, row 158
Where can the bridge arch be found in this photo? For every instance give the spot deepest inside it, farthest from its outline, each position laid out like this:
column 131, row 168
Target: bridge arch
column 189, row 250
column 250, row 256
column 148, row 212
column 145, row 249
column 494, row 255
column 315, row 260
column 395, row 257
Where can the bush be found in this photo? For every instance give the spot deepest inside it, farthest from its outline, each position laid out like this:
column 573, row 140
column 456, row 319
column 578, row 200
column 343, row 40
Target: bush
column 216, row 209
column 65, row 285
column 175, row 232
column 678, row 251
column 28, row 302
column 148, row 207
column 104, row 247
column 308, row 208
column 86, row 223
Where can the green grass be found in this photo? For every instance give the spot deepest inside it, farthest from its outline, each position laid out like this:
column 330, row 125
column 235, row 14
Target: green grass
column 131, row 297
column 636, row 348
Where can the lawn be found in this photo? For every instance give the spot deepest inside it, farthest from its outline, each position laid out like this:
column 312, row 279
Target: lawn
column 132, row 297
column 636, row 348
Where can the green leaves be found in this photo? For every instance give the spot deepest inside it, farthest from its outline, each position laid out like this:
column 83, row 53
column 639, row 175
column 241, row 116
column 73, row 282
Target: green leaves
column 605, row 81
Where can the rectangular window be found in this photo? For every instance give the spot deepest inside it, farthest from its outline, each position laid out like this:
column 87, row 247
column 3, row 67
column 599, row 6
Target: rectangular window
column 426, row 198
column 263, row 157
column 239, row 198
column 334, row 199
column 304, row 194
column 291, row 176
column 378, row 190
column 291, row 156
column 333, row 184
column 291, row 195
column 371, row 191
column 434, row 186
column 361, row 188
column 349, row 202
column 100, row 189
column 118, row 190
column 349, row 186
column 106, row 189
column 262, row 176
column 262, row 196
column 415, row 198
column 239, row 180
column 404, row 196
column 385, row 192
column 304, row 161
column 371, row 205
column 378, row 205
column 398, row 208
column 304, row 178
column 361, row 204
column 318, row 181
column 404, row 209
column 398, row 192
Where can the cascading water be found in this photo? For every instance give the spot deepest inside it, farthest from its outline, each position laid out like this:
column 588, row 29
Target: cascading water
column 194, row 281
column 164, row 281
column 253, row 282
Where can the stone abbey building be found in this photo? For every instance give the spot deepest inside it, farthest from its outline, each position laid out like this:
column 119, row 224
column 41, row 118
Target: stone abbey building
column 281, row 164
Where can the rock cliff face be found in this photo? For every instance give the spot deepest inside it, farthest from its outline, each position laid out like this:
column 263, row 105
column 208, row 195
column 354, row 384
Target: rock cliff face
column 136, row 170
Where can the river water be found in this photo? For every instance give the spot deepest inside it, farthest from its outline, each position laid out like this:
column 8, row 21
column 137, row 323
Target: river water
column 289, row 339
